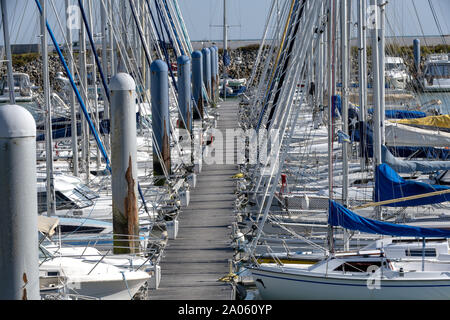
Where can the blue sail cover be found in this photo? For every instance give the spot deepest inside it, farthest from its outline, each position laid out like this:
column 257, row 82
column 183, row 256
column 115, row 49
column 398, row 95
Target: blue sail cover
column 389, row 185
column 339, row 216
column 401, row 114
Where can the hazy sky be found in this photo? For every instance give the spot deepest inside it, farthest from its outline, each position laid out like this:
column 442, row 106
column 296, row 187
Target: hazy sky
column 247, row 18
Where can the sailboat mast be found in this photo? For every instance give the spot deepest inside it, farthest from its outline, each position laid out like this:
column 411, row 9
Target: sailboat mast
column 73, row 112
column 345, row 70
column 84, row 84
column 225, row 41
column 94, row 81
column 112, row 44
column 105, row 29
column 51, row 208
column 376, row 94
column 376, row 87
column 331, row 92
column 381, row 52
column 362, row 78
column 7, row 43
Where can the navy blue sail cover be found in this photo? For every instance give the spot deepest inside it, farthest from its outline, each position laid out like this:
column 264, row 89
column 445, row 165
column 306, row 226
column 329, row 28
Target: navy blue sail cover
column 389, row 185
column 402, row 114
column 339, row 216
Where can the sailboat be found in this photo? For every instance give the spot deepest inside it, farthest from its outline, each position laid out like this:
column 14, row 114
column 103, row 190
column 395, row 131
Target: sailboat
column 411, row 263
column 390, row 268
column 24, row 90
column 96, row 280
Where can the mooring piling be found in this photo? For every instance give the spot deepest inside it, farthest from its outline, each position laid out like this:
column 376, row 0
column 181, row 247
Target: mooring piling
column 123, row 164
column 197, row 83
column 19, row 261
column 160, row 121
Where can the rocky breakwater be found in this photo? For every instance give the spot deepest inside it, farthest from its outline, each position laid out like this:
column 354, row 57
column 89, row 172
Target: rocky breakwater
column 241, row 61
column 31, row 64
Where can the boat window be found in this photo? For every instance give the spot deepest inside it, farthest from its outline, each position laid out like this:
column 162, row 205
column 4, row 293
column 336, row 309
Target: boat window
column 42, row 201
column 63, row 202
column 81, row 229
column 438, row 70
column 392, row 66
column 429, row 252
column 44, row 254
column 78, row 199
column 357, row 266
column 88, row 193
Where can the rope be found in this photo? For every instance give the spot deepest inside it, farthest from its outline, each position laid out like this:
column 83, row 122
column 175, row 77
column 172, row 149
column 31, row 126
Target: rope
column 417, row 196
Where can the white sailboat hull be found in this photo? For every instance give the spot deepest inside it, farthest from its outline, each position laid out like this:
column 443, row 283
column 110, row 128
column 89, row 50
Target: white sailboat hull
column 110, row 289
column 402, row 135
column 304, row 285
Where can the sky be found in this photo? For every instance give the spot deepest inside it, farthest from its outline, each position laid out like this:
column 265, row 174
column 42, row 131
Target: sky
column 246, row 18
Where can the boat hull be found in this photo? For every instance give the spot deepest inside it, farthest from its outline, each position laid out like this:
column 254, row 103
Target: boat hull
column 109, row 290
column 274, row 285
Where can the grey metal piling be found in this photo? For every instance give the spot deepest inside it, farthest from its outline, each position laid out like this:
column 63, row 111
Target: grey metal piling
column 123, row 164
column 197, row 83
column 160, row 121
column 207, row 70
column 19, row 261
column 213, row 74
column 416, row 51
column 184, row 92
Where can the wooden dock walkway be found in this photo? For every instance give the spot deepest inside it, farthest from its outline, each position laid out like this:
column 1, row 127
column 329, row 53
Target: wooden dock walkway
column 193, row 263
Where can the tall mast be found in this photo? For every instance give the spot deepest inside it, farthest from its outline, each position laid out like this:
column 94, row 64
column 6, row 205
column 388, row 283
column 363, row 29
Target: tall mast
column 83, row 81
column 344, row 69
column 94, row 81
column 362, row 78
column 381, row 52
column 225, row 41
column 376, row 87
column 7, row 43
column 51, row 209
column 376, row 94
column 73, row 113
column 112, row 43
column 331, row 91
column 105, row 28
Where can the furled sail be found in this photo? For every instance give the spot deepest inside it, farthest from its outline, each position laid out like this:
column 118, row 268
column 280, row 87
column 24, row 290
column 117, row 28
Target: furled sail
column 403, row 135
column 389, row 185
column 409, row 166
column 339, row 216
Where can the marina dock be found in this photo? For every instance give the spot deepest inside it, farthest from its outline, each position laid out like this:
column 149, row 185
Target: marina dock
column 193, row 263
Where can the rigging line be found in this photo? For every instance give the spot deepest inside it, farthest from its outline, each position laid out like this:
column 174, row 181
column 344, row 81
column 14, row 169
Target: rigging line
column 162, row 43
column 77, row 93
column 147, row 55
column 91, row 40
column 277, row 58
column 127, row 60
column 21, row 21
column 286, row 62
column 173, row 27
column 178, row 28
column 183, row 25
column 420, row 24
column 436, row 20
